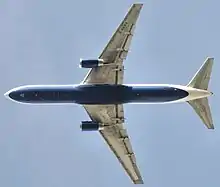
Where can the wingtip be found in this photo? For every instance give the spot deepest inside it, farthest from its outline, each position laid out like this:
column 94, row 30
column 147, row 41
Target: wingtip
column 138, row 4
column 211, row 127
column 139, row 182
column 209, row 58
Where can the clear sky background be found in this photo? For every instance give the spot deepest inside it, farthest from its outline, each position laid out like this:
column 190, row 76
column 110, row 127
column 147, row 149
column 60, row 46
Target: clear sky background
column 41, row 42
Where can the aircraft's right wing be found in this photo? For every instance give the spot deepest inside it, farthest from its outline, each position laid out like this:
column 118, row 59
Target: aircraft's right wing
column 115, row 52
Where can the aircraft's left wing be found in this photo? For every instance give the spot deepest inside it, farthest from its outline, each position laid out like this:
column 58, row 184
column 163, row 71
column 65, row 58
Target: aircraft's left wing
column 115, row 52
column 115, row 135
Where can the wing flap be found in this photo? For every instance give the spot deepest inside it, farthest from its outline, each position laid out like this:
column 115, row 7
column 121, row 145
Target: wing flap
column 128, row 145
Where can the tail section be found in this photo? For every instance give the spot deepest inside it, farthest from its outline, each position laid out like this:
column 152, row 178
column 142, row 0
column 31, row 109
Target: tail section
column 201, row 81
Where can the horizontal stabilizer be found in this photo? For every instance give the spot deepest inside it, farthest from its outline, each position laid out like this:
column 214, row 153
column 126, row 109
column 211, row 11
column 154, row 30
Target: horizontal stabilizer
column 201, row 81
column 202, row 76
column 202, row 108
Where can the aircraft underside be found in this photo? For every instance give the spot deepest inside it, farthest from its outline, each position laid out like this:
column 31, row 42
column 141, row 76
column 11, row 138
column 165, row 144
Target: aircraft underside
column 97, row 94
column 102, row 93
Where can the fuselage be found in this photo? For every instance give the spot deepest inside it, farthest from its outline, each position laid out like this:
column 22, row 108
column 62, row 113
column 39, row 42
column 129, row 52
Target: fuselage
column 102, row 94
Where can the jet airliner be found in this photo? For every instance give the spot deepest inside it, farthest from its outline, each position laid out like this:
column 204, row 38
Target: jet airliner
column 102, row 93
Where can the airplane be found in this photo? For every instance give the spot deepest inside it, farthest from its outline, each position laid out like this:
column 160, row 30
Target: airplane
column 102, row 94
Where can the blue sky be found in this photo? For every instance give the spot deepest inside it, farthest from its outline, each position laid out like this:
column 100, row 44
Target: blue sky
column 42, row 42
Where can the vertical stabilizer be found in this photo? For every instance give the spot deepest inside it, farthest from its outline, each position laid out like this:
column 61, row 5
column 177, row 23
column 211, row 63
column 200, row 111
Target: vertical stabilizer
column 201, row 81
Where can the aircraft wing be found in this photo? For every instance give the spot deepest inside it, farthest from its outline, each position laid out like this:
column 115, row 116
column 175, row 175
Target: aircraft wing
column 115, row 52
column 115, row 135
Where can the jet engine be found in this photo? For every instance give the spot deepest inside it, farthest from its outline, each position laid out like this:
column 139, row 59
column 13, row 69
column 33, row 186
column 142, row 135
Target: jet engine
column 92, row 63
column 90, row 126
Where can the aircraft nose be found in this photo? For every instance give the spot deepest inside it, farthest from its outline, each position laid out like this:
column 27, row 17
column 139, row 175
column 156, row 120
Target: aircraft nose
column 13, row 95
column 6, row 94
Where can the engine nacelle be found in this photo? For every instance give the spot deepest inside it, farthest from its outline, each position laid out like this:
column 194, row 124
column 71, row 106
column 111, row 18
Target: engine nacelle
column 90, row 126
column 91, row 63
